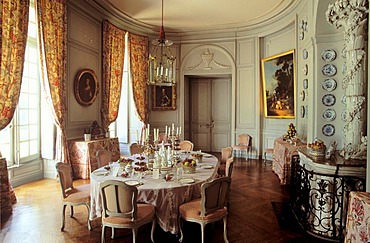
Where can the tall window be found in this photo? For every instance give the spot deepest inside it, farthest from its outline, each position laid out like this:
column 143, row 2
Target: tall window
column 127, row 124
column 20, row 140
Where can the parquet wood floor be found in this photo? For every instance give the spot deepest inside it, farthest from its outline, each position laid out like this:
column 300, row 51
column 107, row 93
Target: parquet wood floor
column 37, row 214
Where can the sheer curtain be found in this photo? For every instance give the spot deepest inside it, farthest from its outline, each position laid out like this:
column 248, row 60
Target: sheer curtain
column 113, row 60
column 52, row 24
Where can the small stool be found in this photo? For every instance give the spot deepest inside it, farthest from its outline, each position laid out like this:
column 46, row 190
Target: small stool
column 267, row 151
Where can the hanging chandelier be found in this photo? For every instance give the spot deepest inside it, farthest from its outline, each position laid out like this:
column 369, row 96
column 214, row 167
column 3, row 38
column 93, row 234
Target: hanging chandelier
column 161, row 62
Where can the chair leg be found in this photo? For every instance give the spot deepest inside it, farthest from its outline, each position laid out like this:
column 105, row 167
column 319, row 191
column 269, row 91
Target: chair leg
column 202, row 226
column 71, row 212
column 225, row 230
column 63, row 216
column 103, row 234
column 180, row 226
column 153, row 227
column 112, row 236
column 134, row 231
column 88, row 217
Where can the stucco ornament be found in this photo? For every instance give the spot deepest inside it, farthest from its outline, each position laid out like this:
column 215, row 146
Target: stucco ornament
column 351, row 16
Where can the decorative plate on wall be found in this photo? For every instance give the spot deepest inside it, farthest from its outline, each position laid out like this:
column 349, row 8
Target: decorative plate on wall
column 302, row 95
column 328, row 130
column 328, row 100
column 328, row 55
column 305, row 83
column 305, row 69
column 304, row 54
column 329, row 114
column 329, row 84
column 329, row 70
column 302, row 111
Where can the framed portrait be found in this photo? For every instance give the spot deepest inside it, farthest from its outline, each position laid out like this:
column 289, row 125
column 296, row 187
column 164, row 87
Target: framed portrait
column 278, row 77
column 164, row 98
column 86, row 87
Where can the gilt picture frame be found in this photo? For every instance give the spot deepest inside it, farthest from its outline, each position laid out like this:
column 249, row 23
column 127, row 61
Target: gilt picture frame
column 86, row 87
column 278, row 77
column 164, row 98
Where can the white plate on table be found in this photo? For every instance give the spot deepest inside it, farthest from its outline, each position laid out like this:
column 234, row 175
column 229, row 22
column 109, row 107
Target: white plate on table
column 207, row 155
column 207, row 166
column 101, row 173
column 186, row 180
column 132, row 183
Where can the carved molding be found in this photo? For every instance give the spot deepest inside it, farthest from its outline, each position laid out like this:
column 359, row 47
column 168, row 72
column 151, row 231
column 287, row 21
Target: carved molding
column 207, row 58
column 351, row 15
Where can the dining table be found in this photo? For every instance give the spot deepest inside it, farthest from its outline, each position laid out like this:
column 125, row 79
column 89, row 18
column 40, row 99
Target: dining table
column 165, row 195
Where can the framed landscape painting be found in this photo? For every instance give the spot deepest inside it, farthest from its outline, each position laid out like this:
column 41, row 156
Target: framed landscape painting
column 278, row 76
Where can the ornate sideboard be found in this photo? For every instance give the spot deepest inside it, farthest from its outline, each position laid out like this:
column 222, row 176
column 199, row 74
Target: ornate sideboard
column 320, row 190
column 83, row 154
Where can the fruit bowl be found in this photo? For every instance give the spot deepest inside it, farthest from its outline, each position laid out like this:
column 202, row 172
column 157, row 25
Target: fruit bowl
column 189, row 166
column 317, row 148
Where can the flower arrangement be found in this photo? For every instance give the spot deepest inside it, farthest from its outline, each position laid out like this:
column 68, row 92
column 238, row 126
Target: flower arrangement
column 291, row 132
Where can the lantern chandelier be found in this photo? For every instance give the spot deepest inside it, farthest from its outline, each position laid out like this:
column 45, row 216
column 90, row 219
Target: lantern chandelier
column 161, row 62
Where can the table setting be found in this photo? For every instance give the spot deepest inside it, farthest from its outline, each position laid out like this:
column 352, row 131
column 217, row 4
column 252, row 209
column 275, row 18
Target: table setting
column 165, row 184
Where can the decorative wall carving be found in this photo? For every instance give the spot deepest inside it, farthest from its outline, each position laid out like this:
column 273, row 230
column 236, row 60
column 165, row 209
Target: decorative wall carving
column 352, row 16
column 207, row 58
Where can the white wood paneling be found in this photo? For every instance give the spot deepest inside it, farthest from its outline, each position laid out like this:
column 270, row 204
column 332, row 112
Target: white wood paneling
column 246, row 103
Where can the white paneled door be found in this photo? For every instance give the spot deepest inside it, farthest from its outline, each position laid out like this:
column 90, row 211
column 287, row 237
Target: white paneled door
column 210, row 113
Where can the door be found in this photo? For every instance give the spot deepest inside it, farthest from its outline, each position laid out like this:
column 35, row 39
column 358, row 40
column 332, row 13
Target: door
column 210, row 109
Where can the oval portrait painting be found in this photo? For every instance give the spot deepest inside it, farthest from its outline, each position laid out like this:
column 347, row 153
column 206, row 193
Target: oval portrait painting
column 86, row 87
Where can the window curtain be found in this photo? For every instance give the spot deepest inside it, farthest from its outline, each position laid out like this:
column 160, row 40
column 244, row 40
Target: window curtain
column 52, row 21
column 113, row 60
column 13, row 32
column 139, row 55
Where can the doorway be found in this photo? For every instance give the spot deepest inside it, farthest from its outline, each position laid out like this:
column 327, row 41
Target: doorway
column 209, row 113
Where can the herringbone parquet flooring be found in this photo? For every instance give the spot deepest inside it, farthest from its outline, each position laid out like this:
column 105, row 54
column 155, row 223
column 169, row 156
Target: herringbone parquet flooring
column 37, row 214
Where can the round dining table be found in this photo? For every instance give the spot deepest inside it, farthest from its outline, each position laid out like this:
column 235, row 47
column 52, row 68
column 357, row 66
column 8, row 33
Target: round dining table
column 165, row 195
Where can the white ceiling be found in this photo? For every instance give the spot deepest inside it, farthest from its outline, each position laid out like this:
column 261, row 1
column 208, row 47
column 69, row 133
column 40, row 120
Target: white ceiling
column 183, row 15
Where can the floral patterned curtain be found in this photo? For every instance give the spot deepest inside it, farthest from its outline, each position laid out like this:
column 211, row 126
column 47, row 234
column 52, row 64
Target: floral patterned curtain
column 139, row 55
column 52, row 20
column 13, row 32
column 113, row 57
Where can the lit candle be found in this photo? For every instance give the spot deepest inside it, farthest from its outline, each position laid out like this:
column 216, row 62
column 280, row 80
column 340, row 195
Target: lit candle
column 173, row 128
column 166, row 130
column 177, row 131
column 180, row 131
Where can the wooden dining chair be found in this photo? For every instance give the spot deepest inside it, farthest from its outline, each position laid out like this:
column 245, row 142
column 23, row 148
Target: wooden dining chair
column 211, row 207
column 103, row 157
column 229, row 167
column 72, row 196
column 136, row 148
column 121, row 210
column 244, row 146
column 186, row 145
column 226, row 153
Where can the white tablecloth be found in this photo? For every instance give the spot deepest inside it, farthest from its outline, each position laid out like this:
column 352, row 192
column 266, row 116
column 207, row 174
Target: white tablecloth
column 166, row 196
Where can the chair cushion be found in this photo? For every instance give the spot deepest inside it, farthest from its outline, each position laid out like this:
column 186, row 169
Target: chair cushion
column 240, row 147
column 80, row 194
column 191, row 211
column 145, row 213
